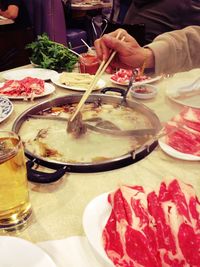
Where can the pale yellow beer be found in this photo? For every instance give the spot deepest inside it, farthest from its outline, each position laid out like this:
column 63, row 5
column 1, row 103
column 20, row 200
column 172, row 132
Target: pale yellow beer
column 15, row 207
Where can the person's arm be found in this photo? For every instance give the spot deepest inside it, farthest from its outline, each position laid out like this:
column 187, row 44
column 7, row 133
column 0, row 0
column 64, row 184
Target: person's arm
column 168, row 53
column 177, row 50
column 129, row 53
column 11, row 12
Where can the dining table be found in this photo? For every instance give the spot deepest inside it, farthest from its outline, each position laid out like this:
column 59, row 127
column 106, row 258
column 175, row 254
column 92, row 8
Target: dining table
column 81, row 6
column 58, row 207
column 5, row 21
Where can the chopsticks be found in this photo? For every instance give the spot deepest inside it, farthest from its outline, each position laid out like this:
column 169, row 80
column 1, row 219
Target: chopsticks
column 103, row 66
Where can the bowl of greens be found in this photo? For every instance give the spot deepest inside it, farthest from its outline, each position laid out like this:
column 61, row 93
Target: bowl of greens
column 47, row 54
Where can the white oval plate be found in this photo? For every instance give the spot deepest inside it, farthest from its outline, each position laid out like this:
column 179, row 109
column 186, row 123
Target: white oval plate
column 55, row 79
column 39, row 73
column 48, row 89
column 21, row 253
column 6, row 108
column 150, row 80
column 193, row 101
column 94, row 223
column 175, row 153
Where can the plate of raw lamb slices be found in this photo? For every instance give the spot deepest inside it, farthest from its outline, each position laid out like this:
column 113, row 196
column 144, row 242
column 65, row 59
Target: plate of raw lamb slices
column 183, row 135
column 123, row 76
column 27, row 88
column 138, row 226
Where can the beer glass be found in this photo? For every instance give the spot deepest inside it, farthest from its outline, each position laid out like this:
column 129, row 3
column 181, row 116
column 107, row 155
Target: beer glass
column 15, row 207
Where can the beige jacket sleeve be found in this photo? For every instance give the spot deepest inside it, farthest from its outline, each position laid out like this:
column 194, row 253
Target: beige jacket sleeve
column 177, row 50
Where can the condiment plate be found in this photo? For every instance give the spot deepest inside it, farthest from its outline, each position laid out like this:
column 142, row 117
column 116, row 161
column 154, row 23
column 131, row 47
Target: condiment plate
column 145, row 91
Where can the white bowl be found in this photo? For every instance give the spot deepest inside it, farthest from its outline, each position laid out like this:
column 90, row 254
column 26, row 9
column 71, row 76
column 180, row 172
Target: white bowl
column 145, row 91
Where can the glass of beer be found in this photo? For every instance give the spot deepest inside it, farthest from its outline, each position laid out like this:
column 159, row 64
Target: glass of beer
column 15, row 207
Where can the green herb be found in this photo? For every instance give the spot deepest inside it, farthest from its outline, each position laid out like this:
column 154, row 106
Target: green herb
column 51, row 55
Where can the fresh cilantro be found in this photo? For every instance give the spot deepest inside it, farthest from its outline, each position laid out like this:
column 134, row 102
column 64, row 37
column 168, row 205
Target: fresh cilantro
column 51, row 55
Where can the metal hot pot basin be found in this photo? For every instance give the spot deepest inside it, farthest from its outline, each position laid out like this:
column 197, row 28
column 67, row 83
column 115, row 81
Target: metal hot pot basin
column 114, row 163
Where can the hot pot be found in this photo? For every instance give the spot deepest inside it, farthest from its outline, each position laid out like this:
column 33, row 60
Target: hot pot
column 121, row 159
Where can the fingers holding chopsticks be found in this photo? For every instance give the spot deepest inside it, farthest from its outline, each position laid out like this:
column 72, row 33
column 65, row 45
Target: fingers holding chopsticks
column 109, row 42
column 129, row 53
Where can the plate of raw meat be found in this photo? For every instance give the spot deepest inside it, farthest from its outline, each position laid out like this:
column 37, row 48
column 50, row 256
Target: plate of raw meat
column 94, row 223
column 123, row 76
column 27, row 88
column 183, row 135
column 138, row 226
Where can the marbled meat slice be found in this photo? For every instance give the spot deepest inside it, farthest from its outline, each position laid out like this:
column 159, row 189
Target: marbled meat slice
column 190, row 117
column 122, row 76
column 154, row 229
column 25, row 87
column 184, row 132
column 129, row 229
column 183, row 139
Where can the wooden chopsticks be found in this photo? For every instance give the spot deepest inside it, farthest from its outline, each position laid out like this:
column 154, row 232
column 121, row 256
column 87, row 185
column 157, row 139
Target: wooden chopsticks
column 97, row 76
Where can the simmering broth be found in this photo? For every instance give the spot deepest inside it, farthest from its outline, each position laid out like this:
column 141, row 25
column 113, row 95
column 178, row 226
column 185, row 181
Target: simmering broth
column 49, row 139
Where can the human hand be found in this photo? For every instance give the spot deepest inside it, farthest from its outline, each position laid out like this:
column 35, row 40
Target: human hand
column 129, row 53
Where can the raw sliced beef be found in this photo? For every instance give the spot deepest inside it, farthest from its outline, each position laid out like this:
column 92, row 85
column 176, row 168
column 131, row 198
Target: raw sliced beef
column 184, row 132
column 189, row 117
column 123, row 76
column 153, row 229
column 25, row 87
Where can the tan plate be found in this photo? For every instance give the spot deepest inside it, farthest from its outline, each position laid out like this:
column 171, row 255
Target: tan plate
column 55, row 79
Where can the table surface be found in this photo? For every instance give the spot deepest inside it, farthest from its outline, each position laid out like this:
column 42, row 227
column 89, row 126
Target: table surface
column 92, row 6
column 5, row 21
column 58, row 207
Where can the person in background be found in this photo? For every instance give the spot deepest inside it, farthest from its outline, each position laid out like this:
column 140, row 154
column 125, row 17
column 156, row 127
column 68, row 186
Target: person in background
column 161, row 16
column 169, row 52
column 119, row 10
column 15, row 36
column 15, row 10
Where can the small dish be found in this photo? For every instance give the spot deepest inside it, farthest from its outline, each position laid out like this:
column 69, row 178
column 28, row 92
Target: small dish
column 145, row 91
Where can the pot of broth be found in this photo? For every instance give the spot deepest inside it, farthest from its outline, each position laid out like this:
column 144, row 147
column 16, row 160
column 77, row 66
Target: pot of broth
column 118, row 132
